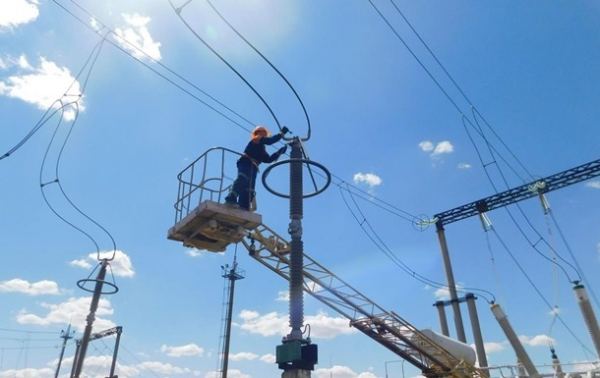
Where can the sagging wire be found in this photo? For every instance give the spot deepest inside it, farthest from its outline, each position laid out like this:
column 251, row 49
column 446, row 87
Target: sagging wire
column 474, row 111
column 357, row 191
column 116, row 36
column 56, row 180
column 501, row 241
column 270, row 64
column 540, row 237
column 140, row 363
column 491, row 150
column 578, row 267
column 178, row 13
column 476, row 114
column 487, row 226
column 45, row 118
column 47, row 115
column 473, row 108
column 380, row 244
column 437, row 83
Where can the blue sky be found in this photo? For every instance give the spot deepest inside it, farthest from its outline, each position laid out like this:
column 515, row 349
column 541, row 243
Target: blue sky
column 143, row 97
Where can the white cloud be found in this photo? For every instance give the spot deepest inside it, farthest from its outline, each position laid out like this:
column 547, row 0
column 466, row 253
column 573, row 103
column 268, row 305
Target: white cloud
column 162, row 368
column 426, row 146
column 266, row 325
column 444, row 147
column 283, row 296
column 192, row 252
column 321, row 325
column 138, row 35
column 493, row 347
column 268, row 358
column 539, row 340
column 184, row 350
column 43, row 86
column 95, row 24
column 18, row 285
column 372, row 180
column 28, row 373
column 96, row 362
column 243, row 356
column 326, row 327
column 17, row 12
column 367, row 178
column 231, row 373
column 81, row 263
column 120, row 266
column 593, row 184
column 338, row 371
column 73, row 311
column 443, row 293
column 464, row 166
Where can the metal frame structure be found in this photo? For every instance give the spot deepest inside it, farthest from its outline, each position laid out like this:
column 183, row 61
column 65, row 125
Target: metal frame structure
column 550, row 183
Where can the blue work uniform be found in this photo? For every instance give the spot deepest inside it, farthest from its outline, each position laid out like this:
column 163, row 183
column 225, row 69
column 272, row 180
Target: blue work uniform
column 247, row 165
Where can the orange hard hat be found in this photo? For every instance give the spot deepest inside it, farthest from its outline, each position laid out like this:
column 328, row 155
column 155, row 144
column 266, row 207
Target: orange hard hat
column 259, row 129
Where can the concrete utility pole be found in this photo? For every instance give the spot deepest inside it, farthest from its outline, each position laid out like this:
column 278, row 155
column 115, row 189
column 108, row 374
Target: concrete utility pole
column 66, row 336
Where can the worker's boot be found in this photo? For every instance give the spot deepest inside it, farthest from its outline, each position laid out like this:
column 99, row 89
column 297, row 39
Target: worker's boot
column 231, row 200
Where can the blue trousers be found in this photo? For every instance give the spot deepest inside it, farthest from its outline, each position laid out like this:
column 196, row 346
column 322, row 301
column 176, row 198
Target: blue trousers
column 244, row 184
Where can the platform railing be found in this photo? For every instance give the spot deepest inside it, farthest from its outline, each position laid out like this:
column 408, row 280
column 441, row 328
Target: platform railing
column 205, row 179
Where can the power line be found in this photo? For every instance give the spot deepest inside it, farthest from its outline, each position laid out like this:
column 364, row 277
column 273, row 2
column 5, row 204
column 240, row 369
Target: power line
column 380, row 244
column 536, row 289
column 447, row 74
column 376, row 201
column 92, row 58
column 178, row 12
column 270, row 64
column 158, row 63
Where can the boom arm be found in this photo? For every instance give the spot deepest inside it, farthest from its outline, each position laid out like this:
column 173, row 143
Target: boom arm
column 385, row 327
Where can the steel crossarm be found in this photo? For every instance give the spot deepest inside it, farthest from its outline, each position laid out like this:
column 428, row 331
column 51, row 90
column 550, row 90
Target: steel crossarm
column 523, row 192
column 387, row 328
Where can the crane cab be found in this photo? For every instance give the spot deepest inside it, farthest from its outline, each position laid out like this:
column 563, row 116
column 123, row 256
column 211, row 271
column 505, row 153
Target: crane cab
column 202, row 221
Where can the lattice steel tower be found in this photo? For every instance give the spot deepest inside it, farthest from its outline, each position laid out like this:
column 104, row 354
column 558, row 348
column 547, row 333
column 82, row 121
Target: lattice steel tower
column 230, row 274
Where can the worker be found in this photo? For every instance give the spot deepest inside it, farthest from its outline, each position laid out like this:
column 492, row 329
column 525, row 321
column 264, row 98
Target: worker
column 247, row 165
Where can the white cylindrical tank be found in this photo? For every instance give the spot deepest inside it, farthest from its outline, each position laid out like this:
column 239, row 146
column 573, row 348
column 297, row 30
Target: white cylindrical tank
column 593, row 373
column 457, row 349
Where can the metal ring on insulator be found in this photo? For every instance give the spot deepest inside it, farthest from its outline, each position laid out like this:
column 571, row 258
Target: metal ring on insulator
column 80, row 283
column 289, row 161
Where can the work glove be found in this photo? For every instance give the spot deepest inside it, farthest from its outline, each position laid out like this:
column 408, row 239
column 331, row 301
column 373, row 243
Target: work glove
column 282, row 150
column 284, row 130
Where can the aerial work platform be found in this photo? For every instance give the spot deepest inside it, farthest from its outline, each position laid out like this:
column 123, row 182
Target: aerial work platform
column 201, row 219
column 213, row 226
